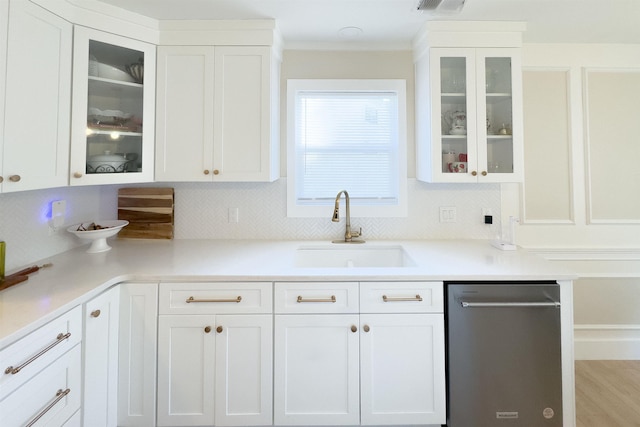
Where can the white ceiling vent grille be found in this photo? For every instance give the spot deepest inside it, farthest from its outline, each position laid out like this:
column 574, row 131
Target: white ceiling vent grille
column 441, row 5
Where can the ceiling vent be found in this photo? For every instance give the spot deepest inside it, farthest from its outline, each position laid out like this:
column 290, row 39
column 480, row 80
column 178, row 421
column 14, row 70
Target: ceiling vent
column 447, row 6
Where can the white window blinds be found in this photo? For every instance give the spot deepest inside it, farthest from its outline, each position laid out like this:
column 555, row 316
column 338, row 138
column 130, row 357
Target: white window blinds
column 346, row 135
column 347, row 140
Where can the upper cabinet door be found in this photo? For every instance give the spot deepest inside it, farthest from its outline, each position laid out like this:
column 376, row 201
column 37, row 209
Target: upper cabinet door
column 469, row 115
column 184, row 112
column 246, row 87
column 217, row 114
column 454, row 136
column 38, row 99
column 499, row 102
column 113, row 109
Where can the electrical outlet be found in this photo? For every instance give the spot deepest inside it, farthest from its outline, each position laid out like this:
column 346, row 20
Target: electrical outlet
column 233, row 215
column 447, row 214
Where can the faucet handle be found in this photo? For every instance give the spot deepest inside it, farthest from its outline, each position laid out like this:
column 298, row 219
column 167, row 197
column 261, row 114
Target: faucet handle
column 357, row 233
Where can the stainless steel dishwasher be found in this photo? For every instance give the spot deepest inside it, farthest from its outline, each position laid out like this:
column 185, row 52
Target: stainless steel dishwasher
column 503, row 354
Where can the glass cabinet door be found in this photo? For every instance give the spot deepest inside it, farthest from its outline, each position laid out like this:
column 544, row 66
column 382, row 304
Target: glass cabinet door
column 456, row 131
column 476, row 130
column 112, row 113
column 455, row 98
column 498, row 108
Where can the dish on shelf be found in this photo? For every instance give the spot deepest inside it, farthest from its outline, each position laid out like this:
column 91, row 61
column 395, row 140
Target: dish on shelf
column 136, row 71
column 109, row 118
column 107, row 163
column 113, row 73
column 98, row 233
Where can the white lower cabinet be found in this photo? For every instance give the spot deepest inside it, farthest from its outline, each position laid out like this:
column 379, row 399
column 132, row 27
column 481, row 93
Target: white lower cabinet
column 137, row 348
column 100, row 341
column 186, row 348
column 402, row 369
column 41, row 379
column 383, row 366
column 215, row 369
column 316, row 370
column 402, row 361
column 49, row 398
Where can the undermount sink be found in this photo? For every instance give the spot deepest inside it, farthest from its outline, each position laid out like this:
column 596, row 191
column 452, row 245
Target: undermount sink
column 357, row 256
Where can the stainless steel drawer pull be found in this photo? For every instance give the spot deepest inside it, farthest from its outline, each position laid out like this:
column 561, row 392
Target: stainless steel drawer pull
column 61, row 337
column 392, row 299
column 331, row 299
column 237, row 299
column 510, row 304
column 59, row 396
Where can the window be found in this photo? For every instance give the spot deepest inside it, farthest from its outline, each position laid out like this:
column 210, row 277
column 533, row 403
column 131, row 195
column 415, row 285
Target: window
column 346, row 135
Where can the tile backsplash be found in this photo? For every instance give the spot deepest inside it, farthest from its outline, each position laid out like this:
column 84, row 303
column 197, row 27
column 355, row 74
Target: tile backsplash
column 202, row 212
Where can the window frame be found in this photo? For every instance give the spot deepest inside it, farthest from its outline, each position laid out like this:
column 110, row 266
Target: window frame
column 398, row 86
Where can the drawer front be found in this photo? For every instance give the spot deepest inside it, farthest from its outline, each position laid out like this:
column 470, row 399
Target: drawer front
column 28, row 356
column 316, row 297
column 401, row 297
column 50, row 398
column 216, row 298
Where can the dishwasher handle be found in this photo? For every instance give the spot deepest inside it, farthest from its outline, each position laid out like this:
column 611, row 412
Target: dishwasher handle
column 509, row 304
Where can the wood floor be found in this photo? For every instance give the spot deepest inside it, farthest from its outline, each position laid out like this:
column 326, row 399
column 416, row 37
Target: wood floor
column 608, row 393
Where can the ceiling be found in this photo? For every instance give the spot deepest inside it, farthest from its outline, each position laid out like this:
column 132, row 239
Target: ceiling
column 394, row 23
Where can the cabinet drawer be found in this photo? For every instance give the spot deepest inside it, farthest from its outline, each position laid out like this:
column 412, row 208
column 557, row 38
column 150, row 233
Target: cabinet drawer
column 401, row 297
column 28, row 356
column 51, row 397
column 323, row 297
column 215, row 298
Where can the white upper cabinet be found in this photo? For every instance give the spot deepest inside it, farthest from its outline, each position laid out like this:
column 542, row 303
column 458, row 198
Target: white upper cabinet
column 469, row 113
column 113, row 109
column 184, row 126
column 35, row 137
column 217, row 114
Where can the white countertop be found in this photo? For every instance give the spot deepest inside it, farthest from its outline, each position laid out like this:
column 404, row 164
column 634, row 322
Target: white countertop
column 77, row 276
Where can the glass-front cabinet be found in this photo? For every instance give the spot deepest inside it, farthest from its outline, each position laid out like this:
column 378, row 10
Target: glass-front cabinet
column 475, row 130
column 113, row 109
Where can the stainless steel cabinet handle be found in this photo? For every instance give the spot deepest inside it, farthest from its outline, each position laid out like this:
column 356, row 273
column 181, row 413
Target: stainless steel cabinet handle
column 510, row 304
column 61, row 337
column 392, row 299
column 330, row 299
column 236, row 299
column 59, row 396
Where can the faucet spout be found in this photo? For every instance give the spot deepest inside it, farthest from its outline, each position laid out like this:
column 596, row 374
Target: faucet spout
column 348, row 234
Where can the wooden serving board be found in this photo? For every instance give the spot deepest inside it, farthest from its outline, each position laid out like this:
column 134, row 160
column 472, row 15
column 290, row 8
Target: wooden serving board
column 149, row 212
column 9, row 281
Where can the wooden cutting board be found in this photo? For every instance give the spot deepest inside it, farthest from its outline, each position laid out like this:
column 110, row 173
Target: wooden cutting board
column 149, row 212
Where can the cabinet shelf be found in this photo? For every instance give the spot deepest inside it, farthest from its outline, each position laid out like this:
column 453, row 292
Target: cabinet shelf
column 93, row 131
column 453, row 98
column 110, row 82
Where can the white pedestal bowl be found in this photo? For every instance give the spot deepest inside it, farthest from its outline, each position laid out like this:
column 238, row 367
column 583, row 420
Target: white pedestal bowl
column 98, row 238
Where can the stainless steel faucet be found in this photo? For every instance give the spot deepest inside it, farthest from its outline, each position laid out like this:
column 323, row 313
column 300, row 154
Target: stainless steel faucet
column 348, row 234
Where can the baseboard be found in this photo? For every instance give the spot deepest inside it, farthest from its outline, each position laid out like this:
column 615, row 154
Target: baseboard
column 607, row 342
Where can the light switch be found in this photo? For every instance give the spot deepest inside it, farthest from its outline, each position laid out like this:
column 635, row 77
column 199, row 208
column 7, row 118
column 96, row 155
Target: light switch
column 447, row 214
